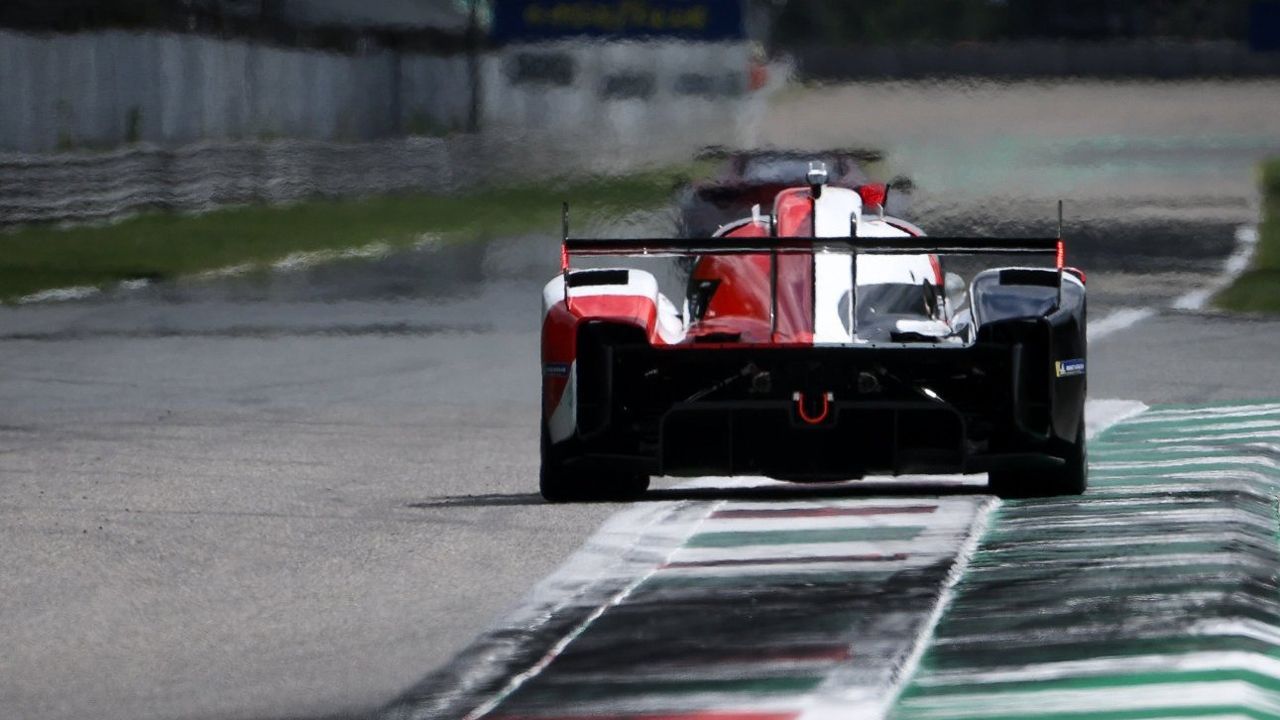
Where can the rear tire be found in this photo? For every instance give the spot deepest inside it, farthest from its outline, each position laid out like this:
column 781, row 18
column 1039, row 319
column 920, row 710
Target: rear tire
column 560, row 484
column 1070, row 479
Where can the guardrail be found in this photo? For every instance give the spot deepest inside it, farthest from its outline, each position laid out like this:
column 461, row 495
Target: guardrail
column 88, row 186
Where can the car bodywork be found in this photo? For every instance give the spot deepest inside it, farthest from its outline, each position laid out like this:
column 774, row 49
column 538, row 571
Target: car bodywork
column 747, row 178
column 820, row 342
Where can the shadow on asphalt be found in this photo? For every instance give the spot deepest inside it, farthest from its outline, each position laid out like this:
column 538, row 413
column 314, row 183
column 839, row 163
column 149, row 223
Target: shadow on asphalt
column 764, row 492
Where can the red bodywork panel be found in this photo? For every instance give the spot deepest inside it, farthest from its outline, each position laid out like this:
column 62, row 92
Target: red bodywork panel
column 560, row 334
column 873, row 194
column 793, row 213
column 741, row 304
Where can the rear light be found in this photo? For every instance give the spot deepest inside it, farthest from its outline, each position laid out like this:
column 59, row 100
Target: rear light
column 1062, row 254
column 1077, row 272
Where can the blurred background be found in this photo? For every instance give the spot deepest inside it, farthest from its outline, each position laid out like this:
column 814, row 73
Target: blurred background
column 116, row 110
column 340, row 128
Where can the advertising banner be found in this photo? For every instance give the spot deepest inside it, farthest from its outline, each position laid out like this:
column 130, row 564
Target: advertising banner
column 534, row 20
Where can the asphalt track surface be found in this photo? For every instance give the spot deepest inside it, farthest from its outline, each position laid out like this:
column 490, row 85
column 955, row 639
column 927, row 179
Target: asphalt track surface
column 1152, row 596
column 296, row 495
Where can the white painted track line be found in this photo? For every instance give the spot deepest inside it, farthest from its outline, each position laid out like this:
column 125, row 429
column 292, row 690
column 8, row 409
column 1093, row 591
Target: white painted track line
column 1237, row 263
column 1117, row 321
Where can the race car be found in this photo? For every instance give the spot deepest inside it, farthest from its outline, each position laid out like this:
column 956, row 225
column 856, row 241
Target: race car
column 751, row 177
column 822, row 341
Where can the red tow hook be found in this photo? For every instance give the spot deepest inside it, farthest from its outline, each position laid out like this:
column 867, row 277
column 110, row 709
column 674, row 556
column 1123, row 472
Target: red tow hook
column 798, row 397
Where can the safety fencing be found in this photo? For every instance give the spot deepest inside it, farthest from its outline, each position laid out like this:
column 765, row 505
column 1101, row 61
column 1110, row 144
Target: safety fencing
column 79, row 187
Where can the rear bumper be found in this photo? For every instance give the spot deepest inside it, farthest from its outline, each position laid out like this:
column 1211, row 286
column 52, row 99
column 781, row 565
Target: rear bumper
column 856, row 439
column 686, row 411
column 772, row 438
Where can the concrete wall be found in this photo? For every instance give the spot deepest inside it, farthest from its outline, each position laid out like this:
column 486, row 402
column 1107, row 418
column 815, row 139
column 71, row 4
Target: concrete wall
column 98, row 125
column 105, row 89
column 613, row 101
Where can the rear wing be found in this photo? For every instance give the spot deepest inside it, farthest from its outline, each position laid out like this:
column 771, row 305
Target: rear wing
column 928, row 245
column 775, row 246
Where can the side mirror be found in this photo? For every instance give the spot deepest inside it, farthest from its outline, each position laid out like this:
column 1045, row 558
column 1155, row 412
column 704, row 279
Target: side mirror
column 956, row 290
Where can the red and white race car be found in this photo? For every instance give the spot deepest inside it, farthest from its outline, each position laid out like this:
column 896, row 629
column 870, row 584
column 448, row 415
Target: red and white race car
column 822, row 341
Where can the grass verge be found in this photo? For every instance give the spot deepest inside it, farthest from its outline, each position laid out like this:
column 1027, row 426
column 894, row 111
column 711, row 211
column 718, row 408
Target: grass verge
column 165, row 245
column 1258, row 288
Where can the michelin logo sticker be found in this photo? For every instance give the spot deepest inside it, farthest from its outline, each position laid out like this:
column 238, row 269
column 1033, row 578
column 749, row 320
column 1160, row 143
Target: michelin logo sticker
column 1067, row 368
